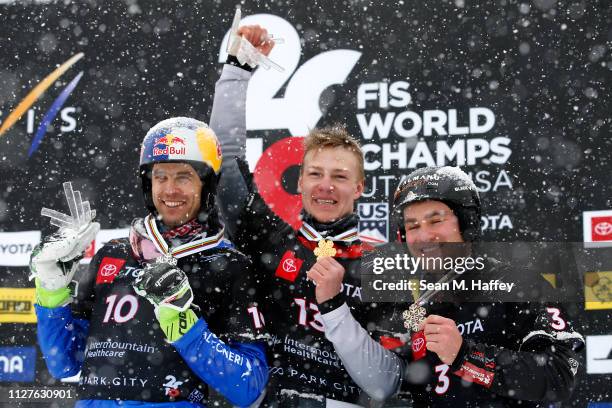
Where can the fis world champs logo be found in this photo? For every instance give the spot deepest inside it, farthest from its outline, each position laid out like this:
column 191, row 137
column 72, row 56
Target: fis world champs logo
column 55, row 109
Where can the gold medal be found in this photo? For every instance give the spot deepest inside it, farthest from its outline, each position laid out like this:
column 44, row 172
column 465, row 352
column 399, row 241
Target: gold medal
column 324, row 248
column 413, row 317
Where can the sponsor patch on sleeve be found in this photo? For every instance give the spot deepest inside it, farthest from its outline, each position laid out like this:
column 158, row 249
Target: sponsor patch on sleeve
column 289, row 266
column 108, row 269
column 391, row 343
column 470, row 372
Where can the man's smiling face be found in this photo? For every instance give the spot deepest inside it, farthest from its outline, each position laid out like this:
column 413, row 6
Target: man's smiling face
column 428, row 224
column 330, row 182
column 177, row 189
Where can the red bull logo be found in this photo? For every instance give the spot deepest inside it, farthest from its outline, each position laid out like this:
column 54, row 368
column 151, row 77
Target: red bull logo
column 168, row 145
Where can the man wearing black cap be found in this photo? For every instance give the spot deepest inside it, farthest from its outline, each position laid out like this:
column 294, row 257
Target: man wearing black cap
column 469, row 353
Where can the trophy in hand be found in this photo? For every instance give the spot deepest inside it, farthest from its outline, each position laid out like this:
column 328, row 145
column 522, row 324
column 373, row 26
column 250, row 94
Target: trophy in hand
column 245, row 52
column 55, row 260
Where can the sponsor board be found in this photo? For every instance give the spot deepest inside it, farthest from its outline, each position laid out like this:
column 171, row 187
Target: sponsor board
column 598, row 290
column 17, row 364
column 373, row 222
column 16, row 247
column 25, row 106
column 599, row 354
column 17, row 305
column 496, row 222
column 597, row 228
column 395, row 135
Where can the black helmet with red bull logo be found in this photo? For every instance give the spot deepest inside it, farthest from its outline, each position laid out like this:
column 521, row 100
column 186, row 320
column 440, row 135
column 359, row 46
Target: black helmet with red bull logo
column 449, row 185
column 182, row 140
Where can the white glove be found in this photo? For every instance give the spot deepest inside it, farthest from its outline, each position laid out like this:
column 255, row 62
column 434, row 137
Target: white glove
column 55, row 260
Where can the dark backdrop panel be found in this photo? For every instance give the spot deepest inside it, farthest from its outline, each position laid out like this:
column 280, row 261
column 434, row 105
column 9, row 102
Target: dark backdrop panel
column 541, row 68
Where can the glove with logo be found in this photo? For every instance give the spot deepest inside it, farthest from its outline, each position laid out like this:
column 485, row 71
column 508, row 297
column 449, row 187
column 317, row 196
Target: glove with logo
column 55, row 260
column 168, row 290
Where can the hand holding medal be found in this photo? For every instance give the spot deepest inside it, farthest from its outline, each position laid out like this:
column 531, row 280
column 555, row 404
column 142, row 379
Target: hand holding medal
column 415, row 317
column 442, row 337
column 327, row 274
column 324, row 248
column 251, row 45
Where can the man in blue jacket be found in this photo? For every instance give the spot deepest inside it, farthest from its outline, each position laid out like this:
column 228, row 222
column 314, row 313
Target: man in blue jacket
column 194, row 330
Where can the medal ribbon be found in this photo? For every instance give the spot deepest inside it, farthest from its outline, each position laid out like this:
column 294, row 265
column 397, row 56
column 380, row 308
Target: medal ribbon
column 324, row 246
column 311, row 234
column 351, row 252
column 189, row 248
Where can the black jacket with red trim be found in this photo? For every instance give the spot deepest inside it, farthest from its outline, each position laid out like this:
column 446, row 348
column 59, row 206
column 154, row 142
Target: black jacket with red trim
column 514, row 354
column 111, row 334
column 303, row 363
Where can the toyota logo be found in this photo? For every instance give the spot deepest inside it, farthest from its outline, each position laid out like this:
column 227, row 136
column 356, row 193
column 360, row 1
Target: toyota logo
column 289, row 265
column 603, row 228
column 108, row 270
column 418, row 344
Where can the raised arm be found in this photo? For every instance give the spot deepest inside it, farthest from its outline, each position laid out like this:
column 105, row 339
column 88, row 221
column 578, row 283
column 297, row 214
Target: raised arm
column 53, row 264
column 228, row 120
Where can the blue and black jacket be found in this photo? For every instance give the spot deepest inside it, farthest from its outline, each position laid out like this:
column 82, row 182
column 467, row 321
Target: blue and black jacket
column 111, row 335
